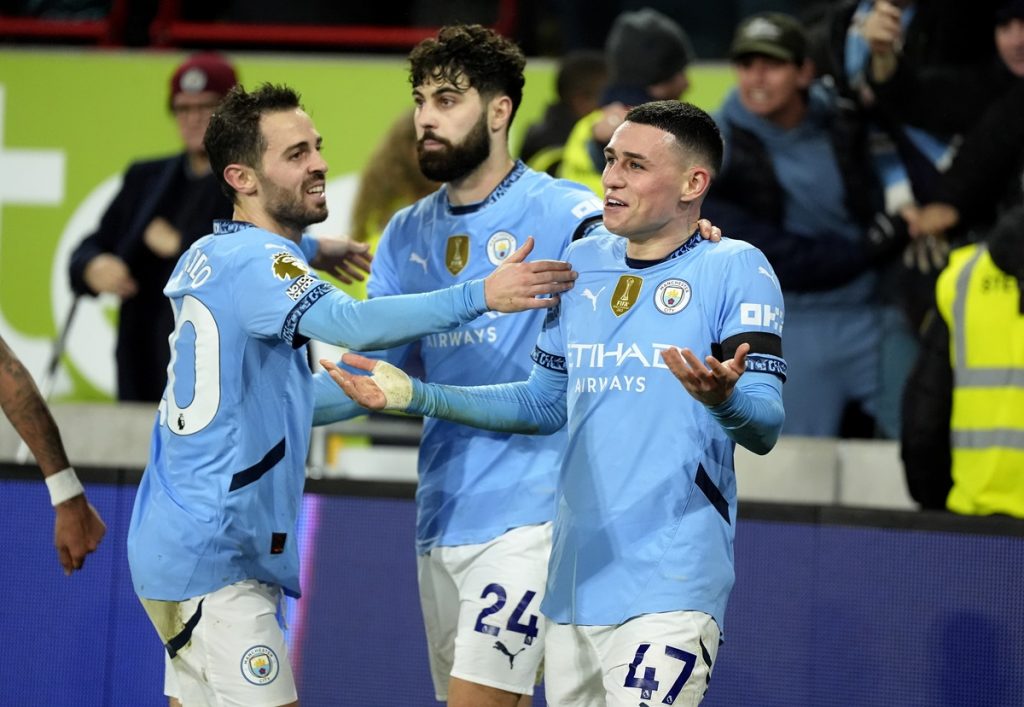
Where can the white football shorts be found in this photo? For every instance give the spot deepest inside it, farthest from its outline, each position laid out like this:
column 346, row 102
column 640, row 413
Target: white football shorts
column 226, row 647
column 651, row 659
column 481, row 609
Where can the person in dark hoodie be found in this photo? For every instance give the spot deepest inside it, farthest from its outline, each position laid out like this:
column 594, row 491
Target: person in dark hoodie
column 797, row 182
column 963, row 431
column 648, row 54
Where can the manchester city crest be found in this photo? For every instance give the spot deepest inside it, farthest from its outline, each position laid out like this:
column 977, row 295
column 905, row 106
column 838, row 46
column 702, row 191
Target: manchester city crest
column 260, row 665
column 500, row 246
column 672, row 296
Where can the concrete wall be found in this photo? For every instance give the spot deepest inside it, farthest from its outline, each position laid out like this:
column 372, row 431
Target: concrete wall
column 864, row 473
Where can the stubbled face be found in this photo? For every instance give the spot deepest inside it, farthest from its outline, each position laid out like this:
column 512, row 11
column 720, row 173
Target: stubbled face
column 192, row 112
column 769, row 87
column 452, row 136
column 1010, row 44
column 293, row 171
column 643, row 178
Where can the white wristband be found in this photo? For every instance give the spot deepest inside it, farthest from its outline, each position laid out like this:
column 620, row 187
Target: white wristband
column 63, row 485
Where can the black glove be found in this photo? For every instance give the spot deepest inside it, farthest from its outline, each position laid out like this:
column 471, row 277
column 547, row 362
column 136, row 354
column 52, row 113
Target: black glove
column 886, row 236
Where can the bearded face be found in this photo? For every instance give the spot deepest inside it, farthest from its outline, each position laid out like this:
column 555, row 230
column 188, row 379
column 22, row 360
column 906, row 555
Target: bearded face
column 454, row 161
column 295, row 209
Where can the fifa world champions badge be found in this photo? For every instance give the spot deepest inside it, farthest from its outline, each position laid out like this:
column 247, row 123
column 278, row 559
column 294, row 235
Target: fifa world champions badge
column 260, row 665
column 456, row 254
column 626, row 293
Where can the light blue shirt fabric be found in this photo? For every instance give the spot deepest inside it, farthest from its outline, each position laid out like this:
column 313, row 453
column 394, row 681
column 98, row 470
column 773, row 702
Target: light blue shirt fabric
column 475, row 485
column 219, row 499
column 647, row 493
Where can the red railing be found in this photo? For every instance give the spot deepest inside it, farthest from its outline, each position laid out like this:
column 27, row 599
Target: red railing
column 107, row 31
column 169, row 29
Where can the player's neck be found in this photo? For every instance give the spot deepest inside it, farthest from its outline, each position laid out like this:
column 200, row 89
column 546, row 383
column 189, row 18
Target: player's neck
column 252, row 213
column 659, row 245
column 478, row 184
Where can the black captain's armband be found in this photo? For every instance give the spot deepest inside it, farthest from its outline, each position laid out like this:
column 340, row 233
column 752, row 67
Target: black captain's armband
column 760, row 343
column 765, row 355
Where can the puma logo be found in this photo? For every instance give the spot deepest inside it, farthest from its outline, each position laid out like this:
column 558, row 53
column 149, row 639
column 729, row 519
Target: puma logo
column 511, row 656
column 592, row 297
column 415, row 257
column 762, row 271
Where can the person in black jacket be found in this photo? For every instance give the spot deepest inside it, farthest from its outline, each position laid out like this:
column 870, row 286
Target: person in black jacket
column 164, row 205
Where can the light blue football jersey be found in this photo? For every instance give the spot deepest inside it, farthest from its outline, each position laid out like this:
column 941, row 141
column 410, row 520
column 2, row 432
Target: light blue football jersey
column 220, row 495
column 475, row 485
column 647, row 496
column 219, row 499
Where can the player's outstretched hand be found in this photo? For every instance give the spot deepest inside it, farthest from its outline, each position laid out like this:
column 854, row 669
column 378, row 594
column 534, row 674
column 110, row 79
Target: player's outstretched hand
column 77, row 531
column 713, row 384
column 385, row 388
column 709, row 231
column 343, row 258
column 516, row 285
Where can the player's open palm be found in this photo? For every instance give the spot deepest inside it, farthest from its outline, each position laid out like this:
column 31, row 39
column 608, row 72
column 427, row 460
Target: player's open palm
column 385, row 388
column 711, row 384
column 517, row 285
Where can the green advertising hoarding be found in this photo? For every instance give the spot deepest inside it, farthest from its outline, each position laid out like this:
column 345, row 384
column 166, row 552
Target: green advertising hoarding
column 72, row 120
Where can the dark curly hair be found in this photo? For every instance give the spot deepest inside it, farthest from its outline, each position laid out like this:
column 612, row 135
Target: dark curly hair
column 473, row 55
column 695, row 130
column 234, row 135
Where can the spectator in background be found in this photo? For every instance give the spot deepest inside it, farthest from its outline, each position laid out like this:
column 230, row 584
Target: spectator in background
column 78, row 528
column 580, row 81
column 985, row 176
column 920, row 71
column 795, row 163
column 963, row 428
column 647, row 55
column 164, row 206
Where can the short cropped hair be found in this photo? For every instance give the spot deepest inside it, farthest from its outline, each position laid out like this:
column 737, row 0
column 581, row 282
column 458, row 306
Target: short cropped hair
column 490, row 63
column 234, row 136
column 695, row 130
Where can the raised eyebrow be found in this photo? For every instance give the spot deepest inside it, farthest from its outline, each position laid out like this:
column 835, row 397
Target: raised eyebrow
column 418, row 93
column 634, row 155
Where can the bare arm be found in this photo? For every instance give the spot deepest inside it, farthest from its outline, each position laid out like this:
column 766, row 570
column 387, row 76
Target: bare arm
column 78, row 528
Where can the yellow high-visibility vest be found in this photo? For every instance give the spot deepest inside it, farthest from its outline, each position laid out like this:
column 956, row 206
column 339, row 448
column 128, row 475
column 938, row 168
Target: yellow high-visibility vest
column 577, row 164
column 981, row 305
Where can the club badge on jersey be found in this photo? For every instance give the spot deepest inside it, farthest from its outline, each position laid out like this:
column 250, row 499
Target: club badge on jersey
column 500, row 246
column 456, row 255
column 672, row 295
column 626, row 293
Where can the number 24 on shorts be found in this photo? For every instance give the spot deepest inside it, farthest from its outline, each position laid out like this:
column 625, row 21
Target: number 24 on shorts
column 529, row 629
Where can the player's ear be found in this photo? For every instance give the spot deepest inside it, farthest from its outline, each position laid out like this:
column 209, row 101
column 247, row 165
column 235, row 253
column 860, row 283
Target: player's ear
column 241, row 178
column 695, row 184
column 499, row 113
